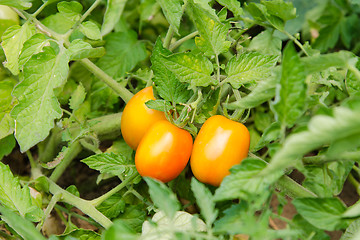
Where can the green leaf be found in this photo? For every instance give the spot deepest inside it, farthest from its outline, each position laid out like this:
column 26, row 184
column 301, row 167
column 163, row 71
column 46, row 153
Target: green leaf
column 78, row 97
column 31, row 47
column 321, row 130
column 65, row 19
column 281, row 9
column 75, row 234
column 90, row 30
column 20, row 4
column 305, row 229
column 12, row 42
column 159, row 105
column 7, row 124
column 204, row 200
column 318, row 63
column 324, row 213
column 111, row 163
column 114, row 10
column 23, row 227
column 289, row 103
column 15, row 197
column 167, row 84
column 266, row 43
column 352, row 232
column 163, row 197
column 238, row 184
column 120, row 230
column 270, row 134
column 112, row 206
column 352, row 83
column 189, row 68
column 261, row 13
column 7, row 145
column 123, row 53
column 212, row 40
column 353, row 211
column 38, row 106
column 79, row 49
column 248, row 67
column 233, row 6
column 172, row 11
column 264, row 91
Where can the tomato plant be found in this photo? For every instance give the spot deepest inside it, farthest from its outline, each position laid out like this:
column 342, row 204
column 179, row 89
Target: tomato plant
column 163, row 152
column 220, row 144
column 137, row 118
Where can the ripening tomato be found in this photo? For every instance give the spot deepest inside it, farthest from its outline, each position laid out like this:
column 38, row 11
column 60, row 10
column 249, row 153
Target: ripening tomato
column 220, row 144
column 163, row 152
column 137, row 118
column 8, row 17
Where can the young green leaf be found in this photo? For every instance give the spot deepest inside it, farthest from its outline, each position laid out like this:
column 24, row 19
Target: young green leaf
column 266, row 43
column 163, row 197
column 123, row 53
column 260, row 13
column 12, row 42
column 20, row 4
column 112, row 206
column 159, row 105
column 90, row 30
column 120, row 230
column 38, row 106
column 167, row 84
column 172, row 11
column 15, row 197
column 289, row 103
column 114, row 10
column 248, row 67
column 77, row 234
column 31, row 47
column 281, row 9
column 77, row 97
column 111, row 163
column 79, row 49
column 204, row 200
column 190, row 68
column 23, row 227
column 324, row 213
column 212, row 40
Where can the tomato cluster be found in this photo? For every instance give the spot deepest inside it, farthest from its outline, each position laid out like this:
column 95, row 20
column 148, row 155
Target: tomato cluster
column 163, row 150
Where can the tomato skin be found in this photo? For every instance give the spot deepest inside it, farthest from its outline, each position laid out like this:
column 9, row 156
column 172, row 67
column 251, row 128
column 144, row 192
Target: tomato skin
column 220, row 144
column 137, row 118
column 163, row 152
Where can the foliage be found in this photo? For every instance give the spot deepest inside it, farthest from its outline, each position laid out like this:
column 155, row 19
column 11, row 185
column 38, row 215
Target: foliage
column 288, row 70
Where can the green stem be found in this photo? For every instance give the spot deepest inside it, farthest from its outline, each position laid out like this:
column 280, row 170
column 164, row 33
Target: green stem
column 355, row 183
column 295, row 41
column 40, row 9
column 123, row 92
column 168, row 37
column 83, row 205
column 74, row 214
column 97, row 201
column 48, row 209
column 182, row 40
column 73, row 150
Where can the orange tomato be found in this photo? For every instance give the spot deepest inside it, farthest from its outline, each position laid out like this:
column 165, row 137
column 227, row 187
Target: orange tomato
column 220, row 144
column 137, row 118
column 163, row 152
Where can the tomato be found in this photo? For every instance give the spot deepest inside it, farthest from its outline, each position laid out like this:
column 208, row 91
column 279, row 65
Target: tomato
column 220, row 144
column 137, row 118
column 163, row 152
column 8, row 17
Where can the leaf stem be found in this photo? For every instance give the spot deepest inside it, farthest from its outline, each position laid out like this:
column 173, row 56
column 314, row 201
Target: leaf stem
column 168, row 37
column 73, row 150
column 182, row 40
column 295, row 41
column 83, row 205
column 97, row 201
column 123, row 92
column 39, row 10
column 49, row 208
